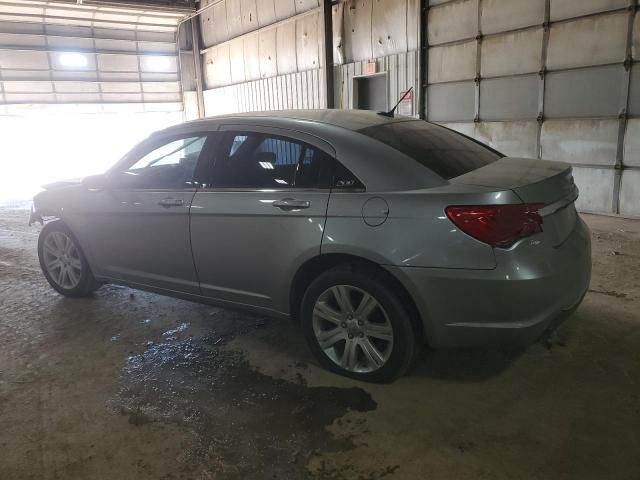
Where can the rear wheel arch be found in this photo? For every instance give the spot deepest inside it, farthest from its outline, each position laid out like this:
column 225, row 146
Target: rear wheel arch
column 319, row 264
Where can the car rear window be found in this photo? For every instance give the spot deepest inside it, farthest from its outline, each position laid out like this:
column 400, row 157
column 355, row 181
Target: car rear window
column 447, row 153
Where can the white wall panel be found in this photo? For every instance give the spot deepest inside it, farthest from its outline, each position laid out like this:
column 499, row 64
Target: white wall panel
column 236, row 59
column 512, row 53
column 26, row 87
column 588, row 92
column 452, row 62
column 266, row 11
column 220, row 26
column 234, row 18
column 285, row 38
column 588, row 41
column 268, row 64
column 563, row 9
column 285, row 8
column 307, row 42
column 251, row 46
column 596, row 189
column 468, row 129
column 450, row 102
column 389, row 27
column 453, row 21
column 87, row 44
column 580, row 141
column 509, row 98
column 23, row 60
column 515, row 139
column 304, row 5
column 630, row 193
column 249, row 15
column 217, row 66
column 502, row 15
column 15, row 40
column 357, row 27
column 632, row 143
column 83, row 87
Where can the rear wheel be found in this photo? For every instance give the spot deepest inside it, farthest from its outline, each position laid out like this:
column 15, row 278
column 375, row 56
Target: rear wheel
column 356, row 326
column 63, row 262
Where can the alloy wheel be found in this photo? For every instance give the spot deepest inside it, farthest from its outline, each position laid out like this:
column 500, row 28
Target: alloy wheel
column 352, row 329
column 62, row 260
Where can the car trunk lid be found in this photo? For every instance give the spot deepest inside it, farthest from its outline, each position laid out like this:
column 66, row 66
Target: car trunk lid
column 534, row 181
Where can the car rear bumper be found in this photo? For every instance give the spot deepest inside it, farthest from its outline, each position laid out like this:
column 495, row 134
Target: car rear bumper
column 533, row 288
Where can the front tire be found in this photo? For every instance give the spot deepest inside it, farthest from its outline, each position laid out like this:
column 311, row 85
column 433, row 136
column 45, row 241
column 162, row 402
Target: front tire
column 356, row 325
column 63, row 262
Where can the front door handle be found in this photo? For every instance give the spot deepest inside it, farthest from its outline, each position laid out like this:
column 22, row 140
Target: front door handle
column 291, row 204
column 171, row 202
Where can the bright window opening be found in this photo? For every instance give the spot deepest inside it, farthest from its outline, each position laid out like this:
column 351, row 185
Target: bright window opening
column 73, row 59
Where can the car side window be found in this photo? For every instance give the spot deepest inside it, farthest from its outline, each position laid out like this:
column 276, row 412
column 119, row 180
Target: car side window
column 256, row 160
column 170, row 165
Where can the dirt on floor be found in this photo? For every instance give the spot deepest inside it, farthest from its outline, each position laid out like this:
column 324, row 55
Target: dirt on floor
column 132, row 385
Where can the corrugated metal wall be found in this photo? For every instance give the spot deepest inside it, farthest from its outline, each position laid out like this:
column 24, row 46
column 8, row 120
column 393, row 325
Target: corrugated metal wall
column 95, row 57
column 553, row 79
column 292, row 90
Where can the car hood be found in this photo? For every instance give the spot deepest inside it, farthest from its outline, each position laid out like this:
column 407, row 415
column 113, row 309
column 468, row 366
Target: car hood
column 62, row 184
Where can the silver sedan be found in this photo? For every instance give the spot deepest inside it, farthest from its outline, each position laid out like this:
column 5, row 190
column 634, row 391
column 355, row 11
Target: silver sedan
column 376, row 234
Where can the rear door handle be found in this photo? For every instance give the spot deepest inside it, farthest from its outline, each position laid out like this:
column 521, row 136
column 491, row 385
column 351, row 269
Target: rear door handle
column 291, row 204
column 171, row 202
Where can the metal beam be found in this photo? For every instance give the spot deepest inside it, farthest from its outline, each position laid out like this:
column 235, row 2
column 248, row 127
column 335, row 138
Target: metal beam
column 423, row 48
column 197, row 62
column 89, row 51
column 88, row 21
column 85, row 8
column 328, row 52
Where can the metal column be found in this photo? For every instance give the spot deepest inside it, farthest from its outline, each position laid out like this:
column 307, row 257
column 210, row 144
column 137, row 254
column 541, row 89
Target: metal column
column 328, row 52
column 197, row 62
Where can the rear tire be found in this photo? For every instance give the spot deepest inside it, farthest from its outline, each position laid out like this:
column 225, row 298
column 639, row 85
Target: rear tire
column 356, row 325
column 63, row 262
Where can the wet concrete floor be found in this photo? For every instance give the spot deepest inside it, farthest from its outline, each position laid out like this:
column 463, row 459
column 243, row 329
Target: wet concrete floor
column 132, row 385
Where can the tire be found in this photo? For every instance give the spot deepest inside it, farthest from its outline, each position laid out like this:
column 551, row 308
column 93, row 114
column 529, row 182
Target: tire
column 341, row 341
column 63, row 262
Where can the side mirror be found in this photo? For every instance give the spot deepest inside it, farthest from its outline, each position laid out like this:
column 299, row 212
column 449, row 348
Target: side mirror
column 96, row 183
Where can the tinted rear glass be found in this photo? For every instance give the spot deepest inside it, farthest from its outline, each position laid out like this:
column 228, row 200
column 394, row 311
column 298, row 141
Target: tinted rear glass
column 447, row 153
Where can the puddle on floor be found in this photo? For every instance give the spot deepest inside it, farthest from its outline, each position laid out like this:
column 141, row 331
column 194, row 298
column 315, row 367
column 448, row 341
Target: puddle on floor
column 249, row 425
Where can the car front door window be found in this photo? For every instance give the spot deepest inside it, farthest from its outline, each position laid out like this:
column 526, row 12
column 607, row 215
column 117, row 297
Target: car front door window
column 168, row 166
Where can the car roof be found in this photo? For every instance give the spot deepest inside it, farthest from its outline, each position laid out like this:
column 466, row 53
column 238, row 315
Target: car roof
column 348, row 119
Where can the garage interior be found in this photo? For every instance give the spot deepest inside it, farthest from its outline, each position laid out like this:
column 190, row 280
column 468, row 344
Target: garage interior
column 129, row 384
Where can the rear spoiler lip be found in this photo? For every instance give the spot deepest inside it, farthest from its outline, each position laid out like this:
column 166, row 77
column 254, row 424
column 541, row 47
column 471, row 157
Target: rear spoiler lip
column 562, row 167
column 560, row 204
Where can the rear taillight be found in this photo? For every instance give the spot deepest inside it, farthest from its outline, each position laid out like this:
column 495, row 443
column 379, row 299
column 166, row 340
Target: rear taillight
column 498, row 225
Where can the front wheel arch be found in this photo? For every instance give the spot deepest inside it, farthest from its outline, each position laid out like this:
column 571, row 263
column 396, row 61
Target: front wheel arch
column 87, row 283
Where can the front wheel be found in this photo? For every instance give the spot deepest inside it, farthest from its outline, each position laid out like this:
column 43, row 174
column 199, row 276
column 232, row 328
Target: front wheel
column 63, row 262
column 356, row 326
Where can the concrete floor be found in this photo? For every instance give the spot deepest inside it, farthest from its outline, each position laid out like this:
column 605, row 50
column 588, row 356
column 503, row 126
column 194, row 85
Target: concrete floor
column 131, row 385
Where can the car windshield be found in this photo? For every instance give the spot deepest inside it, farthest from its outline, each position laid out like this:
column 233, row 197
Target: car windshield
column 447, row 153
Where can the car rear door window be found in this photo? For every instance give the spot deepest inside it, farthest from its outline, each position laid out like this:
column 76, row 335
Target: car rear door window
column 256, row 160
column 447, row 153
